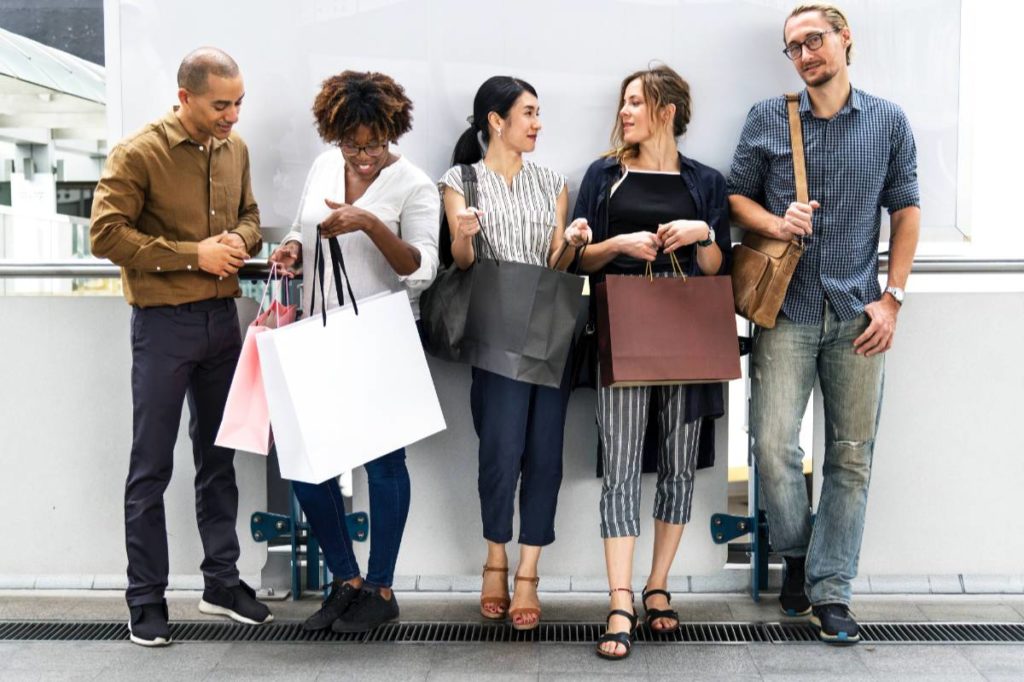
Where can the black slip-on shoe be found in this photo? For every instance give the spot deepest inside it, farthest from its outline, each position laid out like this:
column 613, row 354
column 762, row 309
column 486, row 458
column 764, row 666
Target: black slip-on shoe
column 835, row 624
column 148, row 626
column 793, row 598
column 340, row 598
column 367, row 611
column 238, row 603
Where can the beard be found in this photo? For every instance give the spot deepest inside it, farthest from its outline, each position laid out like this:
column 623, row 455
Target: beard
column 823, row 77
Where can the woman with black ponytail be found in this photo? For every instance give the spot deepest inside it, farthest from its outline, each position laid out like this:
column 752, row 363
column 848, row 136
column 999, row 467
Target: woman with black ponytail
column 522, row 207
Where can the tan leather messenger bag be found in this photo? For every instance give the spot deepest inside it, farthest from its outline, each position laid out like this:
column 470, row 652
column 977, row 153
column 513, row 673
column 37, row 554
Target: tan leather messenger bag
column 762, row 267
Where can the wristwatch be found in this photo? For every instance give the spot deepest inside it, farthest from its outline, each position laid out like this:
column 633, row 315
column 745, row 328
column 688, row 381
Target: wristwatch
column 711, row 238
column 896, row 292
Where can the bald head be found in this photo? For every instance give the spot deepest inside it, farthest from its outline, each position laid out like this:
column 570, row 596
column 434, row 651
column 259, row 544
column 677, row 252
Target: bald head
column 200, row 63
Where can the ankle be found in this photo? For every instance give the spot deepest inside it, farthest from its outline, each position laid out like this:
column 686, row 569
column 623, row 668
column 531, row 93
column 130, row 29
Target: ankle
column 356, row 582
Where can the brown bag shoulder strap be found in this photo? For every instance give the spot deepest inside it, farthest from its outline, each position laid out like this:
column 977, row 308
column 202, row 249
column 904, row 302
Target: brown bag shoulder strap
column 796, row 140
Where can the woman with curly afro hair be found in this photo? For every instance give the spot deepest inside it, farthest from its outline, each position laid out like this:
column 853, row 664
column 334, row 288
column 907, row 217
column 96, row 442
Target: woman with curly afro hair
column 384, row 209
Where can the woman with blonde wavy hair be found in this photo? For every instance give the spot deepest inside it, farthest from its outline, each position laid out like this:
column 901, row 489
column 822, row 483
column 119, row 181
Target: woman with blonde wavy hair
column 645, row 204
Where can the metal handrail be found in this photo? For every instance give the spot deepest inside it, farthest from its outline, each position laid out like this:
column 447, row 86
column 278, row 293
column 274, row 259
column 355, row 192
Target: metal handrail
column 257, row 267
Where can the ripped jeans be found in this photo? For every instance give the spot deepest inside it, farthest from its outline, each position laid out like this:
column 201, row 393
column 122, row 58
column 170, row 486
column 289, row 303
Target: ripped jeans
column 785, row 362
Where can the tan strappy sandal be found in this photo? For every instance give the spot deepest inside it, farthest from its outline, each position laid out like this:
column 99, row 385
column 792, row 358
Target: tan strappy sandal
column 525, row 610
column 501, row 602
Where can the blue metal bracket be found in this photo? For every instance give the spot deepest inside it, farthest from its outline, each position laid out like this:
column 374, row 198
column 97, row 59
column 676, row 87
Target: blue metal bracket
column 726, row 527
column 266, row 526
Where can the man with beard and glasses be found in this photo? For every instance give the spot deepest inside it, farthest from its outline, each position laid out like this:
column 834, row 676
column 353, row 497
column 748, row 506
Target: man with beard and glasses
column 836, row 322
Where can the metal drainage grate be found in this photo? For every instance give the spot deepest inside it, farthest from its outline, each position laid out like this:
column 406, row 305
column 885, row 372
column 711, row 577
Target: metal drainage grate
column 555, row 633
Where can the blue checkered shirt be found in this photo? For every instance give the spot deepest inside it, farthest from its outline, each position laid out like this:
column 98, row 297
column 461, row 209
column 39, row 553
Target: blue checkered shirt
column 859, row 160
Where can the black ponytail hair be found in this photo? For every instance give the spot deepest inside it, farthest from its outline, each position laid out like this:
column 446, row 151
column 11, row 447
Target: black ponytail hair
column 497, row 94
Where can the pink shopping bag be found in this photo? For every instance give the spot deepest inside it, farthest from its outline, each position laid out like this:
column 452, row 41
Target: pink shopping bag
column 246, row 421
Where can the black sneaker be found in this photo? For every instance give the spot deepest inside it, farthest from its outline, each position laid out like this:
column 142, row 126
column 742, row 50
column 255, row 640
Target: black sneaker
column 793, row 599
column 835, row 624
column 366, row 612
column 337, row 602
column 148, row 625
column 237, row 603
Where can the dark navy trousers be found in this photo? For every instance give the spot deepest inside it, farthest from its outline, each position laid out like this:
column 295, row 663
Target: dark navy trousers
column 178, row 352
column 520, row 426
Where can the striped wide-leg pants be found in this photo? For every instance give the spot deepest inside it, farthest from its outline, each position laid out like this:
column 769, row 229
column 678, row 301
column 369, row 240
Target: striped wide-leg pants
column 622, row 421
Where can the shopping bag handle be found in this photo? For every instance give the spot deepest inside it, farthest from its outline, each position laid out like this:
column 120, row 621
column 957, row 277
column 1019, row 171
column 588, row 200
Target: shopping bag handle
column 677, row 269
column 337, row 268
column 578, row 258
column 469, row 183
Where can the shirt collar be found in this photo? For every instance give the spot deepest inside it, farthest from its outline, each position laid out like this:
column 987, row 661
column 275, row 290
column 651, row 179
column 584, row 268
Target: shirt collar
column 610, row 163
column 854, row 102
column 176, row 133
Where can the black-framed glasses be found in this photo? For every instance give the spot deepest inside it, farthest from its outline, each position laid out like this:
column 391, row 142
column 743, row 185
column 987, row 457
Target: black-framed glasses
column 811, row 42
column 374, row 149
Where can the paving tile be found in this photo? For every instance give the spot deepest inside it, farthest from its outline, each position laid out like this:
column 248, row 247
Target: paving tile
column 71, row 581
column 993, row 584
column 598, row 675
column 112, row 581
column 961, row 610
column 885, row 610
column 263, row 657
column 946, row 584
column 479, row 676
column 434, row 583
column 512, row 657
column 995, row 658
column 366, row 661
column 581, row 658
column 15, row 581
column 726, row 581
column 772, row 659
column 404, row 583
column 698, row 660
column 919, row 659
column 900, row 584
column 694, row 608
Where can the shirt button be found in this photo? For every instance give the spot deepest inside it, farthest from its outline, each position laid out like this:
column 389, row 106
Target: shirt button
column 158, row 268
column 188, row 267
column 200, row 147
column 212, row 212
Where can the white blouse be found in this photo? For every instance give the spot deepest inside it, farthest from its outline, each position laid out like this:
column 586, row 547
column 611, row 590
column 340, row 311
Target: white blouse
column 518, row 219
column 402, row 197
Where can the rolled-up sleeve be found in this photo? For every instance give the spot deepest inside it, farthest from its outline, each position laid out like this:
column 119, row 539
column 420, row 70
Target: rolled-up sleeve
column 901, row 188
column 418, row 225
column 750, row 162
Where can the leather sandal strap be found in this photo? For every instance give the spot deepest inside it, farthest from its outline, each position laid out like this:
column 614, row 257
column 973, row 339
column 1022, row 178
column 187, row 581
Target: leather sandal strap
column 631, row 617
column 655, row 614
column 622, row 638
column 620, row 589
column 523, row 579
column 495, row 569
column 650, row 593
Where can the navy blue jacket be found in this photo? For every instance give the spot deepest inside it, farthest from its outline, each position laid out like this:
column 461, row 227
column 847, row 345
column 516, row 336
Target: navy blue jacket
column 707, row 187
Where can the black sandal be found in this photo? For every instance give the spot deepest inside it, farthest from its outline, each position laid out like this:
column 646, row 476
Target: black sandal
column 623, row 638
column 651, row 615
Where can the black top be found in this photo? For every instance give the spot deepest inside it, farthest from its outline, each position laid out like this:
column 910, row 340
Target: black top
column 642, row 201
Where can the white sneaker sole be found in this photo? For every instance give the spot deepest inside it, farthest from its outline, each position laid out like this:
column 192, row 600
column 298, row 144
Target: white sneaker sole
column 214, row 610
column 159, row 641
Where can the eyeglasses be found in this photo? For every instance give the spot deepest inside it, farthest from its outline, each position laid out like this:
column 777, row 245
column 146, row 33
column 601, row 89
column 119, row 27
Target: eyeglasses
column 811, row 42
column 372, row 150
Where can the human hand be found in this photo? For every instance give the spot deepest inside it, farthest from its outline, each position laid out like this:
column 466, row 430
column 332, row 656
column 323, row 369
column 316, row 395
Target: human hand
column 467, row 223
column 287, row 256
column 344, row 218
column 680, row 233
column 218, row 256
column 640, row 245
column 878, row 337
column 797, row 221
column 578, row 233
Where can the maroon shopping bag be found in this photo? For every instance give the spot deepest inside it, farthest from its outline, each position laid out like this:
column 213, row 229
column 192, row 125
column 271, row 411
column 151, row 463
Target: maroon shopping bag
column 666, row 330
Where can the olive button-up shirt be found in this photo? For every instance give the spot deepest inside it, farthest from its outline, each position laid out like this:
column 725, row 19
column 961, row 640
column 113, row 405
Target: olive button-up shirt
column 160, row 194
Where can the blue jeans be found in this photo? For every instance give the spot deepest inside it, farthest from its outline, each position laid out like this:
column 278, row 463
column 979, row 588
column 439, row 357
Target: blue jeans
column 388, row 481
column 784, row 365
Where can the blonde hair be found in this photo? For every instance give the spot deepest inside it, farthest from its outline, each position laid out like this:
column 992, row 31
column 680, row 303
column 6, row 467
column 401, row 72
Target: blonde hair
column 832, row 14
column 662, row 86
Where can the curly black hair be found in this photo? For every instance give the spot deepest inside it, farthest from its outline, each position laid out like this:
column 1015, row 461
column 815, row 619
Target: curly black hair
column 355, row 98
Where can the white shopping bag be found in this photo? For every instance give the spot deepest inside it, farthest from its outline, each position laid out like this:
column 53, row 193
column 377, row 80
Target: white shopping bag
column 346, row 392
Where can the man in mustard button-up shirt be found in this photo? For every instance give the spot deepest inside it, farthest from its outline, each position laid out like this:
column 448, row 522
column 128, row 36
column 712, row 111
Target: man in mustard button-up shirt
column 174, row 208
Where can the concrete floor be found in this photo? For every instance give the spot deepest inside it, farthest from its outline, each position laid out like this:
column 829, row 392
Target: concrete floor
column 525, row 661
